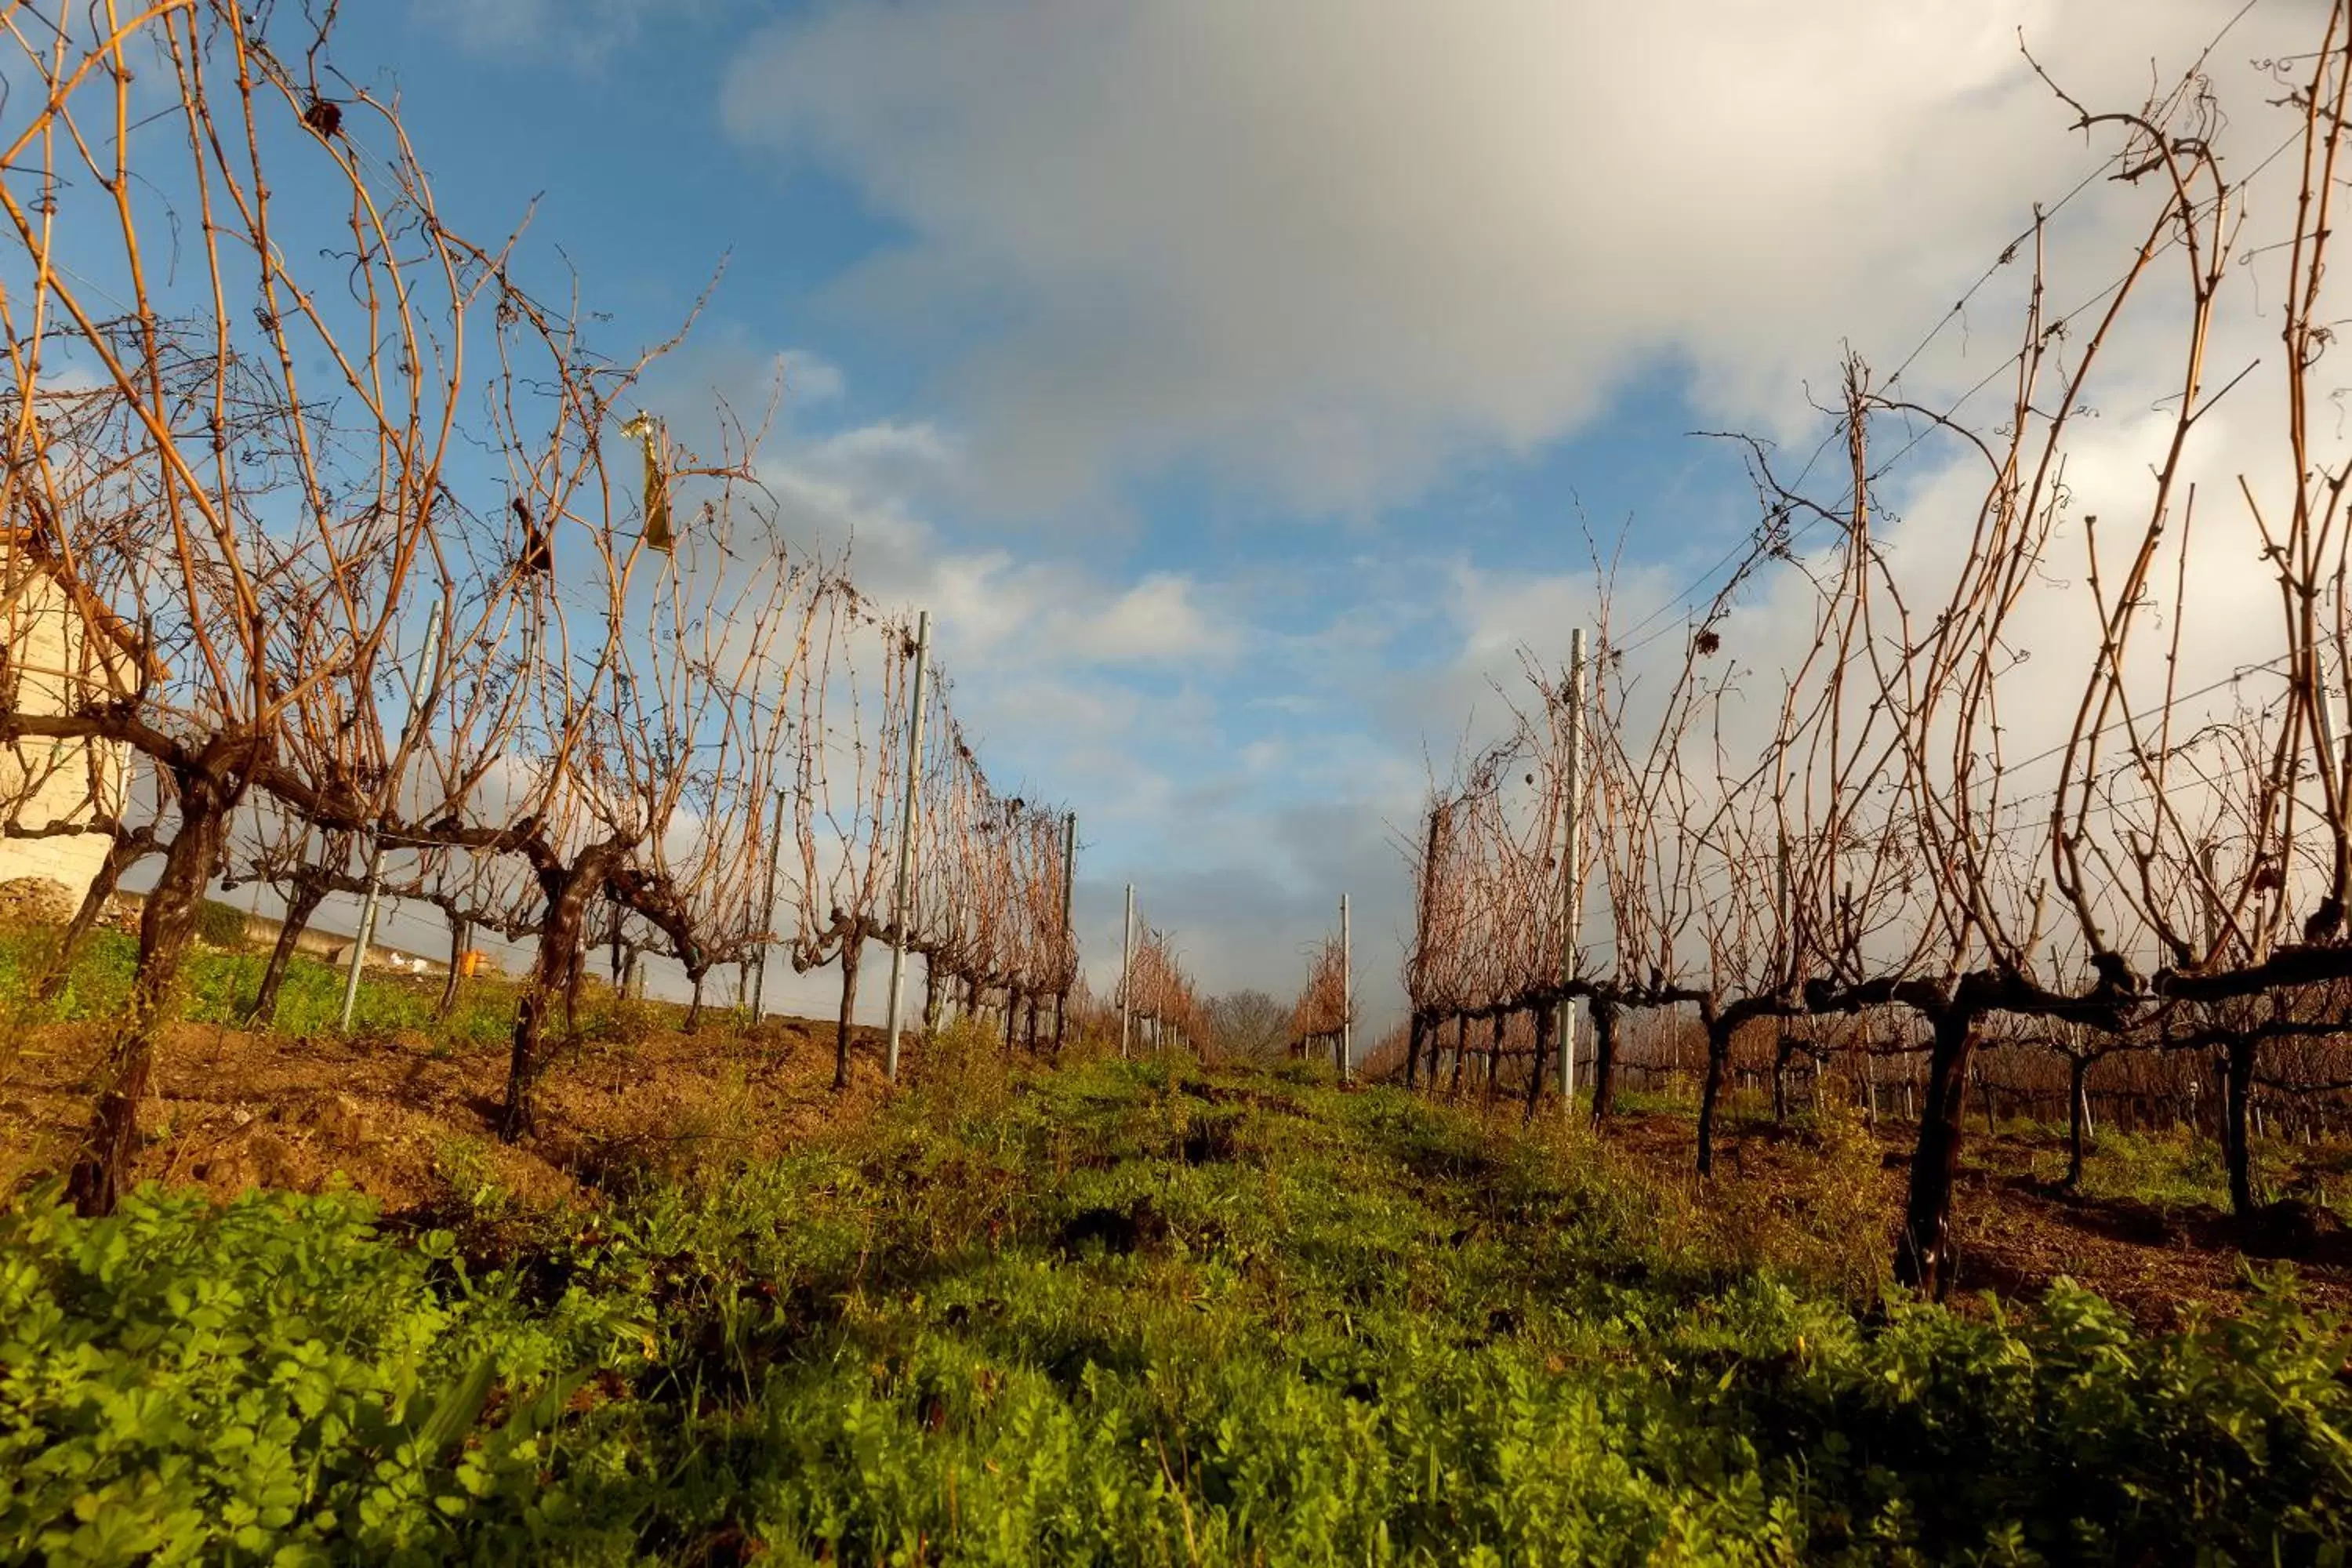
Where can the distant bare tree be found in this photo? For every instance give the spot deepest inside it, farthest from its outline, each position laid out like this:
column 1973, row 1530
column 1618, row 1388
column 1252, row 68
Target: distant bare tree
column 1248, row 1025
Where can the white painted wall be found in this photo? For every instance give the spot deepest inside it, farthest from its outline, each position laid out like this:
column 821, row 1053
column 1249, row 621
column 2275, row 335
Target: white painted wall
column 48, row 783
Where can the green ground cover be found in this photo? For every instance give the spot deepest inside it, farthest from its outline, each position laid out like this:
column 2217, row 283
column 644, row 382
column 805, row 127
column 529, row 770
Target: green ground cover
column 1123, row 1313
column 217, row 986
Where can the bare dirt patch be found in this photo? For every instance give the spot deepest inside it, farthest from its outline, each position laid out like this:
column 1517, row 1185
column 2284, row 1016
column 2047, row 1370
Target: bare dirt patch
column 413, row 1124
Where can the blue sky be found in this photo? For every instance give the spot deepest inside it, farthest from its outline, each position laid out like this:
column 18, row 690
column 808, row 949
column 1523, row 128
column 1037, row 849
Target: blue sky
column 1235, row 382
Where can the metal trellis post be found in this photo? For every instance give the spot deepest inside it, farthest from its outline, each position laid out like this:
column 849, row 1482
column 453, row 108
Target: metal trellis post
column 366, row 931
column 1347, row 996
column 1571, row 866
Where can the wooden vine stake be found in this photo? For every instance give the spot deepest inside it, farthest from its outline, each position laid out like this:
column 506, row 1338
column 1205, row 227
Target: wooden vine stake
column 1347, row 995
column 1127, row 973
column 1069, row 936
column 901, row 917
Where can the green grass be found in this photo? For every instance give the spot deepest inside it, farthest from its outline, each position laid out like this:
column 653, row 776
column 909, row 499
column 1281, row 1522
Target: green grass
column 1127, row 1314
column 2169, row 1168
column 2174, row 1168
column 218, row 987
column 1655, row 1102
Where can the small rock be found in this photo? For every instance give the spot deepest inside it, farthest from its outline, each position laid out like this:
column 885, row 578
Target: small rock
column 273, row 1163
column 346, row 1121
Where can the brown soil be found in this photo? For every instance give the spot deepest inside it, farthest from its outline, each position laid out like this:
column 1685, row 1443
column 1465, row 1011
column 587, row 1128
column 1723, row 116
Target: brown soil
column 414, row 1125
column 2017, row 1230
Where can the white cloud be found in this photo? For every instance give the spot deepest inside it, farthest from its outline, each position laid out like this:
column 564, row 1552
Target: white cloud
column 1330, row 245
column 993, row 608
column 1159, row 620
column 810, row 379
column 886, row 455
column 580, row 33
column 1052, row 660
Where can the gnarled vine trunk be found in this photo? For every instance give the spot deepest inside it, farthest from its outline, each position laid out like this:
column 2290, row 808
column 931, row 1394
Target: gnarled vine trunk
column 310, row 892
column 1710, row 1098
column 573, row 980
column 852, row 949
column 1605, row 1058
column 2078, row 1116
column 1923, row 1254
column 1547, row 1018
column 2237, row 1145
column 167, row 926
column 123, row 851
column 553, row 967
column 460, row 929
